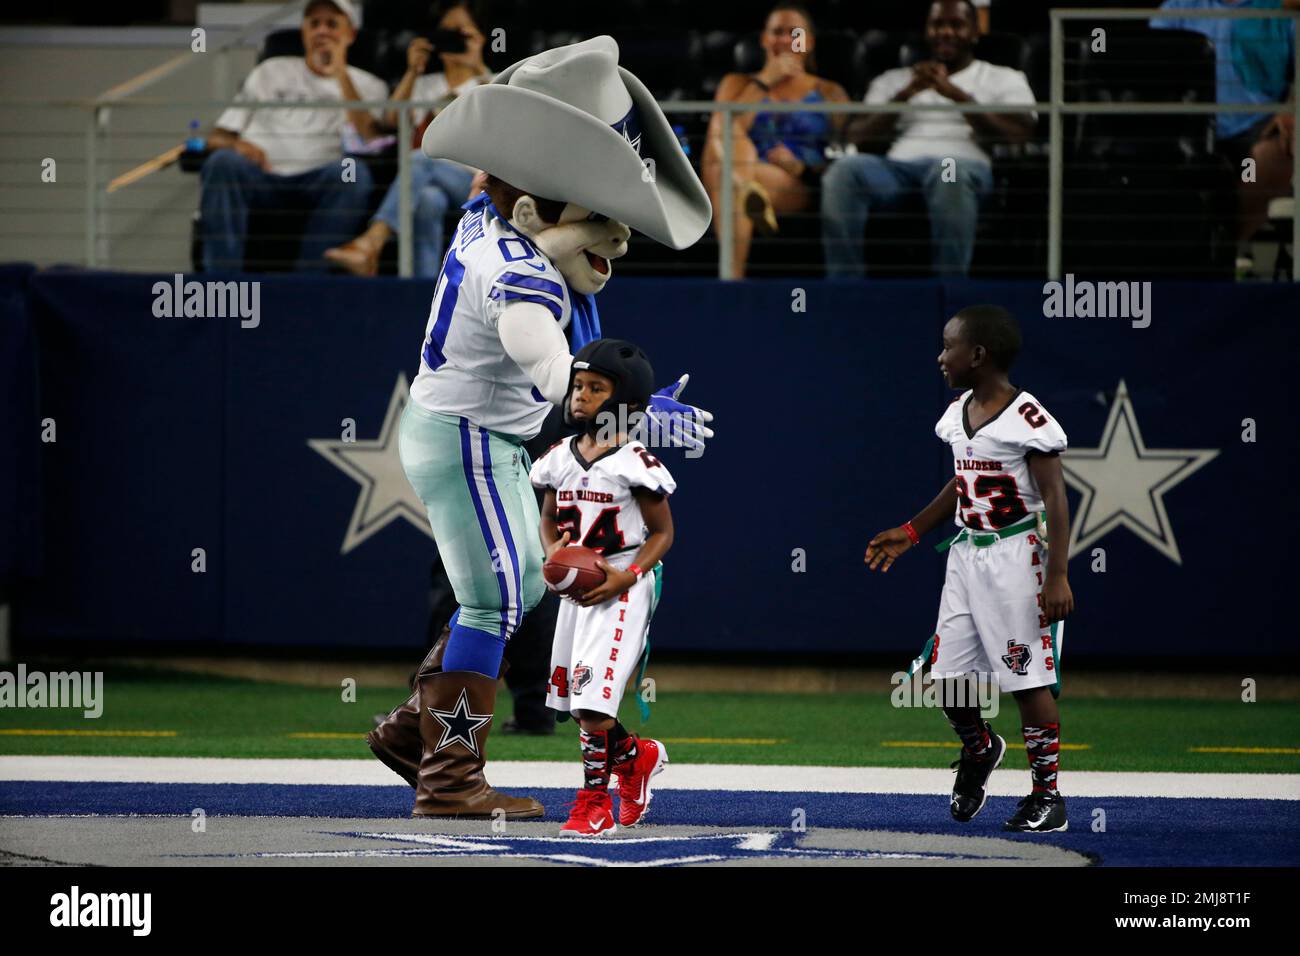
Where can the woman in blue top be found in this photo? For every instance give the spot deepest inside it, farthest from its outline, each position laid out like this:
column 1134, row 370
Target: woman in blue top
column 777, row 156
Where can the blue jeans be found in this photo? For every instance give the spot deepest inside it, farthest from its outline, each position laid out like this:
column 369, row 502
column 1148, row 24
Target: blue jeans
column 232, row 185
column 436, row 186
column 857, row 184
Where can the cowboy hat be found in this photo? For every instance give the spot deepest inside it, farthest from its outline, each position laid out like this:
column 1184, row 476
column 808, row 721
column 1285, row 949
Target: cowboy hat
column 570, row 124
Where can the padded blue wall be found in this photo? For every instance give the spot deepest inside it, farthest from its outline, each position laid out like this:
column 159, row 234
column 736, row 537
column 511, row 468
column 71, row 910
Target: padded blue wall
column 184, row 433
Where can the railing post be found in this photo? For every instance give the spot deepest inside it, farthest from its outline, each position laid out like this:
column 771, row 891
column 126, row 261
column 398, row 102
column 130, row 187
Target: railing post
column 726, row 198
column 92, row 197
column 221, row 75
column 405, row 241
column 1295, row 163
column 1056, row 150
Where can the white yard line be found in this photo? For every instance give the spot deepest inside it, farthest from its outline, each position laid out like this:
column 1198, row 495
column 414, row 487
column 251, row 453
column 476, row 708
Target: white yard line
column 788, row 779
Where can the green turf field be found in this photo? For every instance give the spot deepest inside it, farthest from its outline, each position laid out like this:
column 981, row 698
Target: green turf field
column 153, row 713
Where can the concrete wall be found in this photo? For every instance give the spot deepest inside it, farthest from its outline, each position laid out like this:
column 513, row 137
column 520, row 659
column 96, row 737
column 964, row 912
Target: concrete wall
column 47, row 79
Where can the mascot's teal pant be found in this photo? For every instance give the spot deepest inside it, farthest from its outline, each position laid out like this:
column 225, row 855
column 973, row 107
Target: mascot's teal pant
column 483, row 512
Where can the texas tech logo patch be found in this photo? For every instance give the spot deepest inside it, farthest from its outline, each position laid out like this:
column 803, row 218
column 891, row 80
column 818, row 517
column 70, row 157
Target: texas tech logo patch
column 1017, row 658
column 581, row 678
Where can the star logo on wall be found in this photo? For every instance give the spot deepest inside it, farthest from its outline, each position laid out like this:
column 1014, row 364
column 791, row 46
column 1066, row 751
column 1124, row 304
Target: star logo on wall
column 385, row 494
column 1123, row 482
column 459, row 724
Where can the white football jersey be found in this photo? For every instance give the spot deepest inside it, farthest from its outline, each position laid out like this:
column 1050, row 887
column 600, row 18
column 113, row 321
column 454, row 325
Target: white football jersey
column 464, row 369
column 594, row 500
column 994, row 486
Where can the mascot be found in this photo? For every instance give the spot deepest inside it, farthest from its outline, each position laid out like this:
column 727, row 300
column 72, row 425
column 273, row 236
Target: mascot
column 577, row 154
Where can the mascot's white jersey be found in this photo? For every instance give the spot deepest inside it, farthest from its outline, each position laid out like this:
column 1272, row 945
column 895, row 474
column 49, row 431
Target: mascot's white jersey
column 594, row 500
column 464, row 369
column 994, row 486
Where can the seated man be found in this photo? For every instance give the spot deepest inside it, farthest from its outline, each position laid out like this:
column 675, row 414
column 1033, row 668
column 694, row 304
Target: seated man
column 939, row 153
column 286, row 158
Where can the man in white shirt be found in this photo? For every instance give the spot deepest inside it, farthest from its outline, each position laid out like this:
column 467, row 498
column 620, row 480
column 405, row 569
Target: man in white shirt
column 938, row 153
column 286, row 158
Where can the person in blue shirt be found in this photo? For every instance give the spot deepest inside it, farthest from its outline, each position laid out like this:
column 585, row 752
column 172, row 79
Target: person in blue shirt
column 1254, row 63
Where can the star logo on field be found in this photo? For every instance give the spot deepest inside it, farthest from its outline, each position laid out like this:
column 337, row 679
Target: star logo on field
column 1123, row 482
column 459, row 724
column 619, row 851
column 385, row 494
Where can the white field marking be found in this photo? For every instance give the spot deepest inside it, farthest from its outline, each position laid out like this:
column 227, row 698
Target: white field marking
column 690, row 776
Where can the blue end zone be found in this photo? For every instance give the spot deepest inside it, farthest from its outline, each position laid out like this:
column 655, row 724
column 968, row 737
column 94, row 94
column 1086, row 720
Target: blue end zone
column 1146, row 831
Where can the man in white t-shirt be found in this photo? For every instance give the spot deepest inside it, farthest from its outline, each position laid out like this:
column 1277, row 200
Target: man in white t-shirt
column 939, row 153
column 291, row 158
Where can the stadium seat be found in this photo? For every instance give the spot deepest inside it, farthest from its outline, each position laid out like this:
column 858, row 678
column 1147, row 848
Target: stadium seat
column 715, row 57
column 666, row 61
column 1003, row 49
column 1153, row 181
column 876, row 52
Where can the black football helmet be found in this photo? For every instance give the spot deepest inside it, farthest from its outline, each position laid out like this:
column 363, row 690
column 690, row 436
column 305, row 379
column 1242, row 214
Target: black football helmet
column 626, row 364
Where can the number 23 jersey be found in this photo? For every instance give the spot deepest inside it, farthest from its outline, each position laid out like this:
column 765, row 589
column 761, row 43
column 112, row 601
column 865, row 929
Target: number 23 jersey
column 994, row 486
column 594, row 500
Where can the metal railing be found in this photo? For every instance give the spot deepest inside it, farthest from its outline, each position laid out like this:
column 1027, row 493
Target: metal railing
column 1058, row 108
column 98, row 121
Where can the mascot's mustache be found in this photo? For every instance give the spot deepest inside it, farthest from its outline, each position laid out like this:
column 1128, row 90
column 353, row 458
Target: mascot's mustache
column 607, row 239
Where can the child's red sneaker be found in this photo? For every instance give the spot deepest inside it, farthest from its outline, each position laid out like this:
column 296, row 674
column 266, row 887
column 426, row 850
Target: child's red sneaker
column 634, row 789
column 592, row 815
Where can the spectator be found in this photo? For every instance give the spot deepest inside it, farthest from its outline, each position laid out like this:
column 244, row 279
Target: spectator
column 778, row 157
column 290, row 158
column 919, row 142
column 436, row 184
column 1254, row 60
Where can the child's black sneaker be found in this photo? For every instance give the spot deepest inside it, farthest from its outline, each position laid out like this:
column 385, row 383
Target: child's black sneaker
column 969, row 792
column 1042, row 811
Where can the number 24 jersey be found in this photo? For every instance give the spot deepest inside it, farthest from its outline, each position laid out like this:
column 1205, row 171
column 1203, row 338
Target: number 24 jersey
column 994, row 486
column 594, row 500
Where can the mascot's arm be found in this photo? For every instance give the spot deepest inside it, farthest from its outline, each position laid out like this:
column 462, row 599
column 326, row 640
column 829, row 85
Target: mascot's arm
column 532, row 337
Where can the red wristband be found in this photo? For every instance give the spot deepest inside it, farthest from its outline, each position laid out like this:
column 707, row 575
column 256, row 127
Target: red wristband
column 635, row 570
column 911, row 532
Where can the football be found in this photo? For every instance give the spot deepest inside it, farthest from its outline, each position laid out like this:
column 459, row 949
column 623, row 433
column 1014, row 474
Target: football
column 573, row 571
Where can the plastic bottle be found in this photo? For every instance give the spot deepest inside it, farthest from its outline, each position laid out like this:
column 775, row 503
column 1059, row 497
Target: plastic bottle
column 195, row 141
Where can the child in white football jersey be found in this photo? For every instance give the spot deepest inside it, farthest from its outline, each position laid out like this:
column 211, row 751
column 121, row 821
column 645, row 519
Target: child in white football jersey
column 1005, row 593
column 606, row 492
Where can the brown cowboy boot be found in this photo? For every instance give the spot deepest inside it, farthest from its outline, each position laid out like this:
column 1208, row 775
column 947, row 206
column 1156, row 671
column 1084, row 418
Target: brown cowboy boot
column 455, row 716
column 396, row 741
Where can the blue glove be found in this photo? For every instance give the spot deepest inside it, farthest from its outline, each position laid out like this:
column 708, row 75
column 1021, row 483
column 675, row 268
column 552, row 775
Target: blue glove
column 675, row 424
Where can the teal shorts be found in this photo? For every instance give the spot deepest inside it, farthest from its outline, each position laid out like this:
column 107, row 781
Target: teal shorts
column 483, row 512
